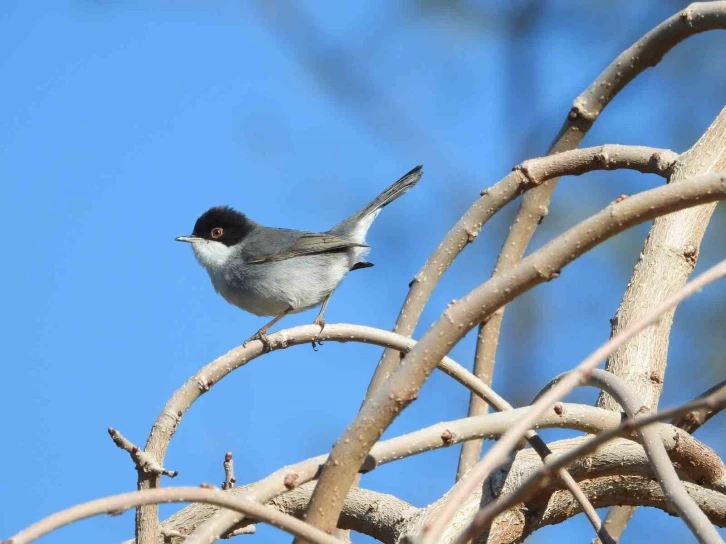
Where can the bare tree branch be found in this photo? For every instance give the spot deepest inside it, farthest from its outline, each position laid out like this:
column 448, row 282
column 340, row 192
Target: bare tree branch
column 711, row 470
column 117, row 504
column 524, row 177
column 499, row 452
column 145, row 463
column 371, row 513
column 667, row 260
column 619, row 516
column 680, row 446
column 601, row 472
column 403, row 385
column 444, row 434
column 182, row 399
column 673, row 489
column 698, row 416
column 646, row 52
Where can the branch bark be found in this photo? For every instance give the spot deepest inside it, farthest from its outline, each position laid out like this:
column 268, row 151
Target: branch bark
column 646, row 52
column 168, row 420
column 580, row 374
column 668, row 258
column 371, row 513
column 673, row 489
column 616, row 473
column 524, row 177
column 579, row 417
column 682, row 453
column 117, row 504
column 403, row 385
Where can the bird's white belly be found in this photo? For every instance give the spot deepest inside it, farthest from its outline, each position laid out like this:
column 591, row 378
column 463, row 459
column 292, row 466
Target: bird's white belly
column 299, row 283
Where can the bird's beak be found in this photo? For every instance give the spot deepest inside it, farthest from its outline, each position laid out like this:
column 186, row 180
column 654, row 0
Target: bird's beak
column 189, row 239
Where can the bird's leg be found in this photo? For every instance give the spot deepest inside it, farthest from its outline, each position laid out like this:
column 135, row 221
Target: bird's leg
column 319, row 321
column 261, row 335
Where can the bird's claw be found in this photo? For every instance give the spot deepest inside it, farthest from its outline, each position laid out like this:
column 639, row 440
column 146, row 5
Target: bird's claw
column 320, row 322
column 260, row 335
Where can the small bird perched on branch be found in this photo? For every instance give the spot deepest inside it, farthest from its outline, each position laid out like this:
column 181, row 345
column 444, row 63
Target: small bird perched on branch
column 271, row 271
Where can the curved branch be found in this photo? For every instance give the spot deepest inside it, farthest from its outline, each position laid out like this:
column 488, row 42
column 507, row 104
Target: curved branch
column 524, row 177
column 403, row 385
column 499, row 452
column 646, row 52
column 448, row 433
column 516, row 525
column 488, row 426
column 673, row 488
column 368, row 512
column 181, row 400
column 695, row 455
column 604, row 469
column 117, row 504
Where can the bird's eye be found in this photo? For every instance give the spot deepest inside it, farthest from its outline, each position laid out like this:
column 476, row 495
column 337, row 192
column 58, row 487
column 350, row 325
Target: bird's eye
column 217, row 232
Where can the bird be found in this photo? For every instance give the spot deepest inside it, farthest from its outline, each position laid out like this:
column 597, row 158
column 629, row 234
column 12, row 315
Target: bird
column 274, row 271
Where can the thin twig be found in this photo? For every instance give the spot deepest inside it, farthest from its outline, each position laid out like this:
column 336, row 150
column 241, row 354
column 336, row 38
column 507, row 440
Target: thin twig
column 145, row 462
column 648, row 51
column 580, row 374
column 229, row 479
column 696, row 418
column 714, row 402
column 246, row 530
column 117, row 504
column 459, row 318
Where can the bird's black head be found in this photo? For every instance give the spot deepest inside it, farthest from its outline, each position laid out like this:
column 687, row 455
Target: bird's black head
column 222, row 224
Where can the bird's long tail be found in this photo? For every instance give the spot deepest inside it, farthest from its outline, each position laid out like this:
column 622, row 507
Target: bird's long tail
column 356, row 226
column 392, row 193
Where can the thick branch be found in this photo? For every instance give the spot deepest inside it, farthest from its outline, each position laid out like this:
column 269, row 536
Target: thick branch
column 666, row 261
column 403, row 385
column 695, row 454
column 680, row 446
column 371, row 513
column 646, row 52
column 443, row 434
column 524, row 177
column 580, row 374
column 673, row 489
column 602, row 475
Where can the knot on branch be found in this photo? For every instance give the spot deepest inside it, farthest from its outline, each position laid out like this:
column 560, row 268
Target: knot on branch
column 447, row 437
column 690, row 253
column 686, row 16
column 579, row 111
column 145, row 462
column 529, row 178
column 663, row 163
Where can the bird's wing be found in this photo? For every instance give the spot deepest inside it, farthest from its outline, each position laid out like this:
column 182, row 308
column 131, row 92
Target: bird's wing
column 309, row 243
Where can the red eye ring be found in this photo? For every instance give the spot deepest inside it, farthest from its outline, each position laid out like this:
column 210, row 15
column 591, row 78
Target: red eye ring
column 217, row 232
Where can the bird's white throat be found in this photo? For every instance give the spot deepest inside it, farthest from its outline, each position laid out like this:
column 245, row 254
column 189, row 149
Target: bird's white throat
column 211, row 254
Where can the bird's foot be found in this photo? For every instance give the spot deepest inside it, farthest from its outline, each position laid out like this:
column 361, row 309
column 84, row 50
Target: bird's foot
column 320, row 322
column 260, row 335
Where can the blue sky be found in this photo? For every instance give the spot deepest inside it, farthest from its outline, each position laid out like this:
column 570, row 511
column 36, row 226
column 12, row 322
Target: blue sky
column 124, row 120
